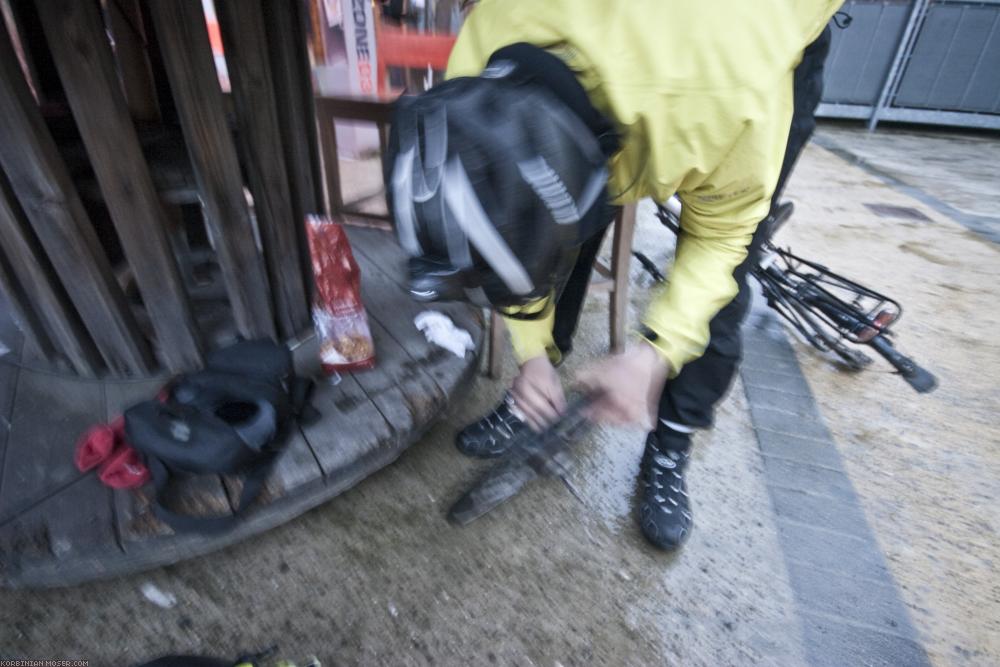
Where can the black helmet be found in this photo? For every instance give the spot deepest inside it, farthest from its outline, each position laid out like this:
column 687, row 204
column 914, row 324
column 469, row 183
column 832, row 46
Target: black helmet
column 489, row 179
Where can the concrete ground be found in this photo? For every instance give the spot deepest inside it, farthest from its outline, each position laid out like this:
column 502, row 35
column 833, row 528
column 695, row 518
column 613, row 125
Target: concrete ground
column 378, row 577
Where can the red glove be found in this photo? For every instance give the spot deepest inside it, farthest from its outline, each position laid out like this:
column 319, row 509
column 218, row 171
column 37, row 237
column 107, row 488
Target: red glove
column 94, row 446
column 124, row 470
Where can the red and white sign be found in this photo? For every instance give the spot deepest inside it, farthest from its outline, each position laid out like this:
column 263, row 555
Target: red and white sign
column 358, row 22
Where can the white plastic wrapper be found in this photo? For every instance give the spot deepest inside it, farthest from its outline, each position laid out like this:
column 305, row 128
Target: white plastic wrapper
column 441, row 331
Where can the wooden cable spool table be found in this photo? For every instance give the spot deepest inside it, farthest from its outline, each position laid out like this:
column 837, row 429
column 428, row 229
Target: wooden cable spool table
column 60, row 527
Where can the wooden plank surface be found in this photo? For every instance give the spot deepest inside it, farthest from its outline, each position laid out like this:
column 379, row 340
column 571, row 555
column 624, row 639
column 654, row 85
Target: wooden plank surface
column 243, row 33
column 351, row 429
column 187, row 56
column 42, row 185
column 399, row 344
column 383, row 271
column 369, row 418
column 403, row 391
column 83, row 57
column 404, row 382
column 48, row 509
column 295, row 467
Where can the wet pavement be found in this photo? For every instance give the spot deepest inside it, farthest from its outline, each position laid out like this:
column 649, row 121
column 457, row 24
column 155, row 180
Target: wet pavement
column 902, row 489
column 955, row 172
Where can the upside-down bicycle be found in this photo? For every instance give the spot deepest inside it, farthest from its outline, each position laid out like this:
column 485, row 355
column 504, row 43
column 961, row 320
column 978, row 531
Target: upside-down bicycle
column 830, row 312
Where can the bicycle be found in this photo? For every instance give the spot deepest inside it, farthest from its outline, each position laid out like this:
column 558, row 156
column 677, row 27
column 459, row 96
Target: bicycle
column 832, row 313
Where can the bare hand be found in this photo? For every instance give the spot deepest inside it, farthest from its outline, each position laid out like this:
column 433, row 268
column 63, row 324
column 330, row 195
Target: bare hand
column 538, row 394
column 629, row 385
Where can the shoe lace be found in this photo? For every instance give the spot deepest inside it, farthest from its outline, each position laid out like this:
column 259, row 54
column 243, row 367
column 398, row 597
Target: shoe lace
column 501, row 417
column 665, row 473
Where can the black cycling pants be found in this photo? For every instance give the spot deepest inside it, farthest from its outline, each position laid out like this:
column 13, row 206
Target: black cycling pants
column 690, row 398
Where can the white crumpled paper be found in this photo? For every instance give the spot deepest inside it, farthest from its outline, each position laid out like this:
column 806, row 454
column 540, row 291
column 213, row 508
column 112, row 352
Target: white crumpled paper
column 158, row 596
column 441, row 331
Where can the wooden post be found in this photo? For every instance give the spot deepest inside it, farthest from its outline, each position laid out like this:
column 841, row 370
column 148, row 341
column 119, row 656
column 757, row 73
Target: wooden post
column 621, row 256
column 83, row 57
column 331, row 161
column 286, row 34
column 187, row 56
column 124, row 19
column 45, row 80
column 25, row 317
column 44, row 295
column 245, row 40
column 497, row 346
column 294, row 96
column 42, row 184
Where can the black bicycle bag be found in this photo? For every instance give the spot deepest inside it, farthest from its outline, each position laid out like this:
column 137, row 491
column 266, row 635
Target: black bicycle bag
column 231, row 418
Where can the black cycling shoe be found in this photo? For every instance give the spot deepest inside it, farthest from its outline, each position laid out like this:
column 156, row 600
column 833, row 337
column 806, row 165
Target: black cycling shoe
column 664, row 511
column 492, row 435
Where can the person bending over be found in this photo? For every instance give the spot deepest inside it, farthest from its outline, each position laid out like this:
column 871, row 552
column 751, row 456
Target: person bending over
column 504, row 179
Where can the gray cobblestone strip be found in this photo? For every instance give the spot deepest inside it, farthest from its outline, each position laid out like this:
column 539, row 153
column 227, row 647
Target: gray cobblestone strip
column 849, row 606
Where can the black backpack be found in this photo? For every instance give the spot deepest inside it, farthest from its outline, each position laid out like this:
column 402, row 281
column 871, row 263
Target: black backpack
column 230, row 418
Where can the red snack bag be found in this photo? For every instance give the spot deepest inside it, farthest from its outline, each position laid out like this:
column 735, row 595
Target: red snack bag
column 338, row 313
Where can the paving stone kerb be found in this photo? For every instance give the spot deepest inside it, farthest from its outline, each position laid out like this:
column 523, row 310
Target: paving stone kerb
column 849, row 605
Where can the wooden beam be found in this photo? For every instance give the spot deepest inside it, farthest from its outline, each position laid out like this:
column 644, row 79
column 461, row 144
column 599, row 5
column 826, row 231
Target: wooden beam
column 25, row 320
column 334, row 201
column 44, row 296
column 187, row 56
column 45, row 80
column 8, row 17
column 42, row 184
column 287, row 44
column 355, row 108
column 86, row 66
column 621, row 256
column 124, row 18
column 245, row 40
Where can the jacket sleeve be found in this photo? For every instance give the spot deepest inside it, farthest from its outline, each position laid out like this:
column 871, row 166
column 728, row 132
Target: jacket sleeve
column 719, row 216
column 532, row 338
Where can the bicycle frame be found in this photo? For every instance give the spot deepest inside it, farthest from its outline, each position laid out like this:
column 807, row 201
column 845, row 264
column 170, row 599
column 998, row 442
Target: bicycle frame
column 825, row 308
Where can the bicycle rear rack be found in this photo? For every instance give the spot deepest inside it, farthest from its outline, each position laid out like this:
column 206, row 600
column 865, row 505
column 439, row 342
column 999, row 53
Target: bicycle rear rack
column 825, row 308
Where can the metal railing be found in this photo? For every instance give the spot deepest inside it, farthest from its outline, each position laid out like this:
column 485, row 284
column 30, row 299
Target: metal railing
column 920, row 61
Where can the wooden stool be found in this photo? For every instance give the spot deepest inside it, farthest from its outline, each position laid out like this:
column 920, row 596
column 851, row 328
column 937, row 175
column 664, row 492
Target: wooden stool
column 615, row 281
column 329, row 109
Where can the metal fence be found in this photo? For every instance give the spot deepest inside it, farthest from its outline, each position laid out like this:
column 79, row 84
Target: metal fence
column 920, row 61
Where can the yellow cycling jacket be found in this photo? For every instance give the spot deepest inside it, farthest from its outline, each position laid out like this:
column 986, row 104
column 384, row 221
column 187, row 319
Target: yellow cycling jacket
column 701, row 92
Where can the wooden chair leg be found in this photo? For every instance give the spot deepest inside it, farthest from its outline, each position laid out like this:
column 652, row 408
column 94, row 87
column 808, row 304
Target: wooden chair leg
column 331, row 164
column 621, row 255
column 496, row 344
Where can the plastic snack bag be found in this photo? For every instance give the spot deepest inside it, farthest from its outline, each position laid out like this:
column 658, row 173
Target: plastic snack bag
column 338, row 313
